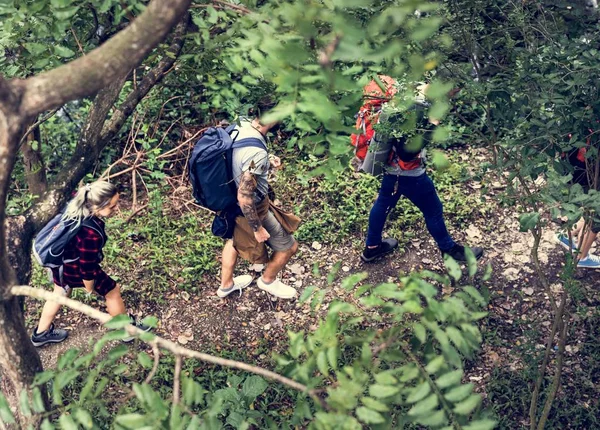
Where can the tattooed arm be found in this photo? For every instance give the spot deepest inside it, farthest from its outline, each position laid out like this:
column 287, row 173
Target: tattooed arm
column 246, row 191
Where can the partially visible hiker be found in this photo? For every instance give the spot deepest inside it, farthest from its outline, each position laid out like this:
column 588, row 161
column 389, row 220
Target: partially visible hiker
column 260, row 223
column 82, row 257
column 582, row 238
column 404, row 175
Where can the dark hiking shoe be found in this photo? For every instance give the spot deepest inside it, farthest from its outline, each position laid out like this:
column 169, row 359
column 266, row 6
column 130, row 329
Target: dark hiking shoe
column 52, row 335
column 139, row 325
column 458, row 253
column 386, row 246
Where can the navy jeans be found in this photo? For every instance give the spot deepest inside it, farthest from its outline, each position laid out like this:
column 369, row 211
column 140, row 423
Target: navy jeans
column 421, row 192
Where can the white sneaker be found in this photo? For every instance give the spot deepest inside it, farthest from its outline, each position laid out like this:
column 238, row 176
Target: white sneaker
column 277, row 288
column 239, row 283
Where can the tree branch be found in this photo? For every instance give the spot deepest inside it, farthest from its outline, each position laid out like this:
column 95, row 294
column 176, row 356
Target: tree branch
column 177, row 380
column 88, row 74
column 39, row 122
column 103, row 317
column 94, row 139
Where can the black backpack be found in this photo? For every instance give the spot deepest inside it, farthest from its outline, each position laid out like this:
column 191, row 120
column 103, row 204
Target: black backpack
column 419, row 110
column 210, row 167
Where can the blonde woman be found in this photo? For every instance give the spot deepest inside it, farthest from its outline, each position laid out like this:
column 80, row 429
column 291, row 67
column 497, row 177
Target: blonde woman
column 82, row 257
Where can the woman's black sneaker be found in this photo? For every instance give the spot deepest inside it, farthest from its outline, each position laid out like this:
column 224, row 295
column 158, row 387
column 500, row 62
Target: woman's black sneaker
column 458, row 253
column 386, row 246
column 52, row 335
column 139, row 325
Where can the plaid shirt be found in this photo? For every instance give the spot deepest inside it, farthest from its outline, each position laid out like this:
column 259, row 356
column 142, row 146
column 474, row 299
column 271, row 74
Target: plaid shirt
column 86, row 249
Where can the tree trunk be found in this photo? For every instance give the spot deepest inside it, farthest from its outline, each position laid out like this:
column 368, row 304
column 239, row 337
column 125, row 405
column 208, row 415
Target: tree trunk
column 20, row 102
column 35, row 170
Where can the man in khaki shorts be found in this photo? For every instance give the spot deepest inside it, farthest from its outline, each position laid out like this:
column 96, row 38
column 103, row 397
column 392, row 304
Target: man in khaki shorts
column 262, row 223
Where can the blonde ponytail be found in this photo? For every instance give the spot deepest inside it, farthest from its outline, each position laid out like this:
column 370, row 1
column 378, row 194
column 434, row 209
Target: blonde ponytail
column 90, row 197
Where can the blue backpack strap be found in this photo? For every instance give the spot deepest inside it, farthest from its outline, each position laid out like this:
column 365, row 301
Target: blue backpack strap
column 249, row 142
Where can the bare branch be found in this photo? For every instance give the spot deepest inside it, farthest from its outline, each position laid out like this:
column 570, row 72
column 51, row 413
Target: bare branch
column 103, row 317
column 177, row 380
column 39, row 122
column 156, row 352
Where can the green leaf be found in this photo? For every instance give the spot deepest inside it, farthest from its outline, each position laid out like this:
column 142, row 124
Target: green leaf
column 61, row 3
column 150, row 321
column 43, row 377
column 341, row 307
column 424, row 406
column 371, row 403
column 433, row 420
column 472, row 291
column 369, row 416
column 35, row 48
column 385, row 378
column 84, row 418
column 471, row 261
column 67, row 358
column 420, row 332
column 453, row 267
column 24, row 403
column 37, row 401
column 351, row 281
column 64, row 378
column 64, row 52
column 308, row 291
column 118, row 352
column 481, row 425
column 383, row 391
column 67, row 423
column 145, row 360
column 322, row 364
column 459, row 393
column 46, row 425
column 488, row 272
column 418, row 393
column 118, row 322
column 253, row 387
column 66, row 13
column 528, row 221
column 449, row 379
column 332, row 356
column 6, row 414
column 131, row 421
column 467, row 406
column 440, row 161
column 435, row 365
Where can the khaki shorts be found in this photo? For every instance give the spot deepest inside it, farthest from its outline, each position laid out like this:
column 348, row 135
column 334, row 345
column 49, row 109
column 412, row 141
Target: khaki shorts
column 280, row 239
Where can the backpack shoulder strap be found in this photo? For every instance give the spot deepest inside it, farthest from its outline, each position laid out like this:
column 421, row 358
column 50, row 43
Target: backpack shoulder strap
column 250, row 142
column 93, row 224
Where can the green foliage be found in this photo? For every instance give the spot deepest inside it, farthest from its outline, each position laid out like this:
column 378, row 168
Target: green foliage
column 396, row 361
column 408, row 372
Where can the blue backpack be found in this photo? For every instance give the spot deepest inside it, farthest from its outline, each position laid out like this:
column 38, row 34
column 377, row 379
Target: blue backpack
column 210, row 167
column 50, row 243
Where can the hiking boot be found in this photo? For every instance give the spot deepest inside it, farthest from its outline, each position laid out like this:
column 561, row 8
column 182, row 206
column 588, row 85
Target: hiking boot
column 277, row 289
column 590, row 262
column 458, row 253
column 52, row 335
column 239, row 283
column 563, row 240
column 386, row 246
column 139, row 325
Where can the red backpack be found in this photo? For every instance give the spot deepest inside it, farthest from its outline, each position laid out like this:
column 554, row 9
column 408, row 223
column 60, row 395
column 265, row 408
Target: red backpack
column 368, row 115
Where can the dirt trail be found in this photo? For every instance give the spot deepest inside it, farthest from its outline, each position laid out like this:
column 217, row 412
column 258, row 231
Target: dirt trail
column 258, row 324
